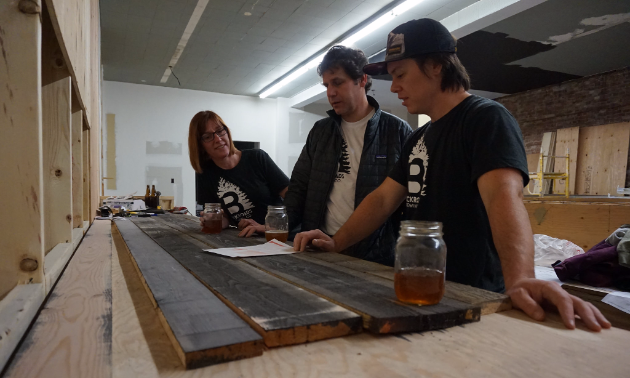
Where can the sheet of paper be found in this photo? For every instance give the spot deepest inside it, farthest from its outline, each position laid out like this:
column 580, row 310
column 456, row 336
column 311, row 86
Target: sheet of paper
column 546, row 274
column 271, row 248
column 619, row 300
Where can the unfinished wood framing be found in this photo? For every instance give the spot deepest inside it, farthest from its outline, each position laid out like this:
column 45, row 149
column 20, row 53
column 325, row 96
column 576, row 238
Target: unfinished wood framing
column 582, row 223
column 72, row 335
column 77, row 169
column 566, row 140
column 282, row 313
column 36, row 145
column 86, row 176
column 602, row 159
column 203, row 330
column 21, row 247
column 57, row 128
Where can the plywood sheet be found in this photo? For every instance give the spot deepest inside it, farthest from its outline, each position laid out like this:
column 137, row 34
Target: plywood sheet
column 72, row 335
column 602, row 158
column 567, row 139
column 581, row 223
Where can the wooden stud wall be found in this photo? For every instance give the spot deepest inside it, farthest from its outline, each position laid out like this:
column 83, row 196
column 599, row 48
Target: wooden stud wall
column 49, row 143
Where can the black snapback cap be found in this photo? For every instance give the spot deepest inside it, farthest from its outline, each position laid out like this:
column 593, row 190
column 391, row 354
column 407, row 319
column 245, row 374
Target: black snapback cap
column 413, row 38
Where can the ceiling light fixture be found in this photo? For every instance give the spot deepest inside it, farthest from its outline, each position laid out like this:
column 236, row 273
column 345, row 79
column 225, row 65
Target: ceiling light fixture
column 192, row 23
column 351, row 40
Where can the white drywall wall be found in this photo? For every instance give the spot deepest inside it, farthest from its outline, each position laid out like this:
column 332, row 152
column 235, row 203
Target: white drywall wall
column 157, row 114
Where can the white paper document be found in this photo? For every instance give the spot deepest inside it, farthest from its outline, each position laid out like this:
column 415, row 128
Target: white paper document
column 271, row 248
column 619, row 300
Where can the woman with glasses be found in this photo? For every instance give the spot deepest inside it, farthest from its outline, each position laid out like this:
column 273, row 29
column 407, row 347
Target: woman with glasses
column 243, row 182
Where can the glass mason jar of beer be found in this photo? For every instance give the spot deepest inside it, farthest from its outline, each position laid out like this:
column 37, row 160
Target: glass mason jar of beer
column 212, row 218
column 277, row 224
column 420, row 263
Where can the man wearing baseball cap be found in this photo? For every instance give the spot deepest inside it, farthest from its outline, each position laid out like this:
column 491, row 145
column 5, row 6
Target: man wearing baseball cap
column 467, row 169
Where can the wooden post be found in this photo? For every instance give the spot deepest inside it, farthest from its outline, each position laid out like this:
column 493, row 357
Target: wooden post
column 21, row 226
column 77, row 168
column 86, row 175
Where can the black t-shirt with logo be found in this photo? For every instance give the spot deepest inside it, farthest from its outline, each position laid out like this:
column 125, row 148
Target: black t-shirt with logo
column 246, row 190
column 440, row 165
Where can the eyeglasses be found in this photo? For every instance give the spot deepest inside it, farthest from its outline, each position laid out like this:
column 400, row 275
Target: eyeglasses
column 209, row 137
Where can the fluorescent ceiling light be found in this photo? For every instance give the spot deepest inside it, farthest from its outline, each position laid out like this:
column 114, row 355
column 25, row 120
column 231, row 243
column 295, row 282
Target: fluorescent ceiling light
column 354, row 38
column 192, row 24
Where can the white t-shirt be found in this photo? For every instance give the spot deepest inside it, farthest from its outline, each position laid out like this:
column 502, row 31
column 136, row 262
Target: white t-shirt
column 341, row 199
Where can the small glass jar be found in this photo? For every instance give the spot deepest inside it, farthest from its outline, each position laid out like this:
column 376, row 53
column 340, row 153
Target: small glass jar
column 420, row 263
column 212, row 218
column 277, row 224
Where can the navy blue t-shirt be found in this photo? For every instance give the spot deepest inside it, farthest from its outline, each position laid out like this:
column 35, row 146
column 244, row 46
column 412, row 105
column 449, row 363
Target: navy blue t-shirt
column 440, row 165
column 246, row 190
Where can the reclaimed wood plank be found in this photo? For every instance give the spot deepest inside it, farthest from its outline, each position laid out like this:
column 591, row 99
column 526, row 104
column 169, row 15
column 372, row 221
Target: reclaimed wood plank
column 489, row 302
column 71, row 337
column 228, row 238
column 372, row 297
column 282, row 313
column 203, row 330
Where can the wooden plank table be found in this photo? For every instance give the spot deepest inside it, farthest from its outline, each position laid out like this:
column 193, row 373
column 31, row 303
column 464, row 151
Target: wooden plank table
column 505, row 344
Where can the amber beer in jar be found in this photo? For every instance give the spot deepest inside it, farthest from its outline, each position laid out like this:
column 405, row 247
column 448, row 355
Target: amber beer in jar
column 277, row 224
column 420, row 263
column 212, row 218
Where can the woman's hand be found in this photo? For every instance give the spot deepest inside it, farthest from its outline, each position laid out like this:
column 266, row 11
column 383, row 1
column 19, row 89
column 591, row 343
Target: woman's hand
column 249, row 226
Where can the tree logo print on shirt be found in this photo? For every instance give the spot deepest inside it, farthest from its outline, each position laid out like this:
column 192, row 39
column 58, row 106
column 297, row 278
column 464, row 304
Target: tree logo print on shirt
column 344, row 162
column 233, row 198
column 418, row 166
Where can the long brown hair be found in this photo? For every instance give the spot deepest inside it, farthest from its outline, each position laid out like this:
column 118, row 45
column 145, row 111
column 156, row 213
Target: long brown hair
column 197, row 128
column 454, row 74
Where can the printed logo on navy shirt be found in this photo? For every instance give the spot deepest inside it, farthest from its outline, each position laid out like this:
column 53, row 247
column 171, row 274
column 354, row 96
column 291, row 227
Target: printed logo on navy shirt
column 418, row 166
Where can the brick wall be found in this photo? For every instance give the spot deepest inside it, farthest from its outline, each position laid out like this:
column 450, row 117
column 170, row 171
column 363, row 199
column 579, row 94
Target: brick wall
column 590, row 101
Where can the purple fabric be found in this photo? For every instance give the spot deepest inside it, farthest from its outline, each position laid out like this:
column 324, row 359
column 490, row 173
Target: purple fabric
column 598, row 267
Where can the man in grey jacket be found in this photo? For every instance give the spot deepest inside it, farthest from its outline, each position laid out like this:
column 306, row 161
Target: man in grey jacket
column 346, row 157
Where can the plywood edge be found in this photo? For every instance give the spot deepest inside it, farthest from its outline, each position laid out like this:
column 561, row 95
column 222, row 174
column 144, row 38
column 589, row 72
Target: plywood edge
column 17, row 311
column 55, row 261
column 77, row 235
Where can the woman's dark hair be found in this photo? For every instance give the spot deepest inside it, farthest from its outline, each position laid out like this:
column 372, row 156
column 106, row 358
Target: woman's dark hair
column 454, row 75
column 350, row 60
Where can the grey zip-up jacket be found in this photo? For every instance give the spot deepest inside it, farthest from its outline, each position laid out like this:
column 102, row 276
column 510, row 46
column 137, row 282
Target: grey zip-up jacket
column 314, row 174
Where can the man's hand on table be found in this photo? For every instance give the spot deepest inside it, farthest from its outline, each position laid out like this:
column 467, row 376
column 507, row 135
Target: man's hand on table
column 528, row 295
column 317, row 238
column 249, row 226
